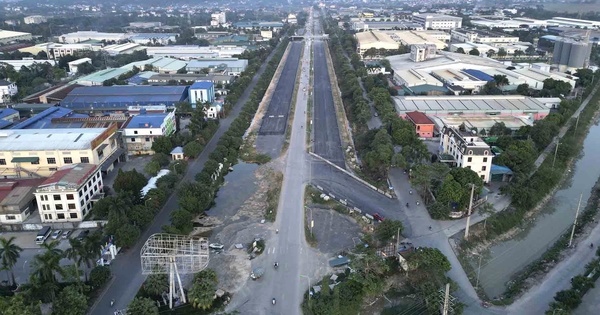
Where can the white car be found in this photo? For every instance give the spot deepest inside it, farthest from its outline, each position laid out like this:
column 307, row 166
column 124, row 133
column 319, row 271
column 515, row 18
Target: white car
column 102, row 262
column 56, row 234
column 216, row 246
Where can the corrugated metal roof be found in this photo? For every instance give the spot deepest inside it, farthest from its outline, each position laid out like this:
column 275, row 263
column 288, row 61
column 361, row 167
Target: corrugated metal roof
column 43, row 120
column 119, row 97
column 48, row 139
column 146, row 121
column 202, row 85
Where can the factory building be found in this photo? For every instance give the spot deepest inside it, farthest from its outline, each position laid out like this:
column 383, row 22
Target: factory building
column 570, row 54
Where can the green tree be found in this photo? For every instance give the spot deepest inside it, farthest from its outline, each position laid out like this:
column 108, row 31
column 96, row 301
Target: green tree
column 99, row 276
column 501, row 80
column 9, row 254
column 156, row 284
column 71, row 301
column 502, row 52
column 499, row 129
column 182, row 220
column 18, row 304
column 45, row 267
column 198, row 121
column 429, row 260
column 152, row 168
column 388, row 230
column 490, row 53
column 131, row 182
column 460, row 50
column 530, row 50
column 162, row 144
column 202, row 292
column 192, row 149
column 76, row 252
column 142, row 306
column 523, row 89
column 519, row 157
column 127, row 235
column 569, row 298
column 518, row 53
column 450, row 192
column 557, row 87
column 542, row 133
column 474, row 52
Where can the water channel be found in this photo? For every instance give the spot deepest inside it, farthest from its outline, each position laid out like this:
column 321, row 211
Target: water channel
column 507, row 258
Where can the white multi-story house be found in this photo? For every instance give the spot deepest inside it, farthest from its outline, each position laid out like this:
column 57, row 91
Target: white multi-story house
column 218, row 18
column 68, row 195
column 35, row 19
column 467, row 150
column 437, row 21
column 7, row 90
column 141, row 130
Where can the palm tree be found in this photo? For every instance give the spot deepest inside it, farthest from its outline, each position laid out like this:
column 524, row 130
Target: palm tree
column 53, row 248
column 75, row 254
column 9, row 254
column 45, row 268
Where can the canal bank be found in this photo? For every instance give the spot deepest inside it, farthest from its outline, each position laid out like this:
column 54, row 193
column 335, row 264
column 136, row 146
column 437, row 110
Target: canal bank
column 505, row 260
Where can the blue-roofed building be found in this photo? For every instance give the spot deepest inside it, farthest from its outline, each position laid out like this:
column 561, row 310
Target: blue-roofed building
column 479, row 74
column 119, row 97
column 201, row 92
column 8, row 116
column 44, row 120
column 141, row 78
column 153, row 38
column 141, row 130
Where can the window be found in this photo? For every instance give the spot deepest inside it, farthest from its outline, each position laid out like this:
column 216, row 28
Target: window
column 60, row 216
column 469, row 159
column 85, row 159
column 58, row 206
column 72, row 206
column 82, row 202
column 132, row 139
column 469, row 166
column 35, row 162
column 418, row 127
column 11, row 217
column 147, row 139
column 73, row 215
column 68, row 160
column 52, row 169
column 483, row 168
column 135, row 132
column 485, row 152
column 56, row 197
column 48, row 216
column 70, row 197
column 484, row 160
column 482, row 177
column 470, row 152
column 100, row 153
column 2, row 161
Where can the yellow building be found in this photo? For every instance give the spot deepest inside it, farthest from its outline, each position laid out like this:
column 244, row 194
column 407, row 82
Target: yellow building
column 374, row 39
column 41, row 152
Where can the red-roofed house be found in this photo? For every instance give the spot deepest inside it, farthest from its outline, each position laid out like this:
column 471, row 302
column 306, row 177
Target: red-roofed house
column 68, row 195
column 424, row 126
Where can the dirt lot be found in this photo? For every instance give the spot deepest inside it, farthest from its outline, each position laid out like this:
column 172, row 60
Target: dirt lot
column 334, row 231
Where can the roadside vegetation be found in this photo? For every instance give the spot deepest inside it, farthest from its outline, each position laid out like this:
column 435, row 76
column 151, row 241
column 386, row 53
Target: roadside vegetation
column 273, row 195
column 361, row 288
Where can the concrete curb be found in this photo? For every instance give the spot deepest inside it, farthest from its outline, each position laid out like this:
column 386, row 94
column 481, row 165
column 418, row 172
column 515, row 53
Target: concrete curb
column 351, row 175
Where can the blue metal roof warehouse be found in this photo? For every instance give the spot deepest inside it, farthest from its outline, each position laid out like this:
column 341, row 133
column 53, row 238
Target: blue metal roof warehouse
column 120, row 97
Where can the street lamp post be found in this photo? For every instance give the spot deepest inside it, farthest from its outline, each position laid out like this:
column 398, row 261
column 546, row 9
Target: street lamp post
column 478, row 270
column 555, row 152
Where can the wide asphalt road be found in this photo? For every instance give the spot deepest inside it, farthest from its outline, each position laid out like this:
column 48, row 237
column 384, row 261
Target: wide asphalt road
column 327, row 142
column 126, row 268
column 276, row 118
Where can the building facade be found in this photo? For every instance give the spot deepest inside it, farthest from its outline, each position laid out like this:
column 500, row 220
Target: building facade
column 7, row 91
column 438, row 21
column 68, row 195
column 464, row 149
column 17, row 199
column 201, row 92
column 41, row 152
column 141, row 131
column 424, row 127
column 7, row 37
column 35, row 19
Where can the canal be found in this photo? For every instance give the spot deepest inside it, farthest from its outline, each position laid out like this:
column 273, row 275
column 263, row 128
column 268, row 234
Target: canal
column 507, row 258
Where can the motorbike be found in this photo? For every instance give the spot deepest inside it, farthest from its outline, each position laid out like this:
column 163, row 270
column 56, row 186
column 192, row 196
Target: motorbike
column 275, row 265
column 112, row 302
column 274, row 301
column 417, row 203
column 407, row 204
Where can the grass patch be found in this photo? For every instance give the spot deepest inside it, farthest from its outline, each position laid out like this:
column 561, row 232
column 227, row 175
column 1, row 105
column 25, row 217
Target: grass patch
column 249, row 154
column 313, row 196
column 311, row 239
column 273, row 196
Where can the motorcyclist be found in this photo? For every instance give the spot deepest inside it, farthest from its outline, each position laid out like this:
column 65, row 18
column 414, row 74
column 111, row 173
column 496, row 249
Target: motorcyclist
column 274, row 301
column 275, row 265
column 407, row 204
column 277, row 231
column 410, row 192
column 417, row 203
column 112, row 302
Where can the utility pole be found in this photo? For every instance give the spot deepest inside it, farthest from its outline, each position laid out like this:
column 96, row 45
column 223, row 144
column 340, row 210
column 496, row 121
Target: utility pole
column 577, row 121
column 575, row 222
column 555, row 152
column 446, row 299
column 469, row 214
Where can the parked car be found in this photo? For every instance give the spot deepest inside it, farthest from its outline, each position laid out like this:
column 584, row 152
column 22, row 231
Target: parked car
column 378, row 217
column 216, row 246
column 56, row 234
column 66, row 234
column 102, row 262
column 83, row 234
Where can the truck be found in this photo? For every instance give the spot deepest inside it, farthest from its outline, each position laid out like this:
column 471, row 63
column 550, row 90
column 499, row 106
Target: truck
column 257, row 273
column 43, row 235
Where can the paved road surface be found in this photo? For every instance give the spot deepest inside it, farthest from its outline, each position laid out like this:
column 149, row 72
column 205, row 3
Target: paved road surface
column 276, row 118
column 297, row 261
column 327, row 142
column 126, row 268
